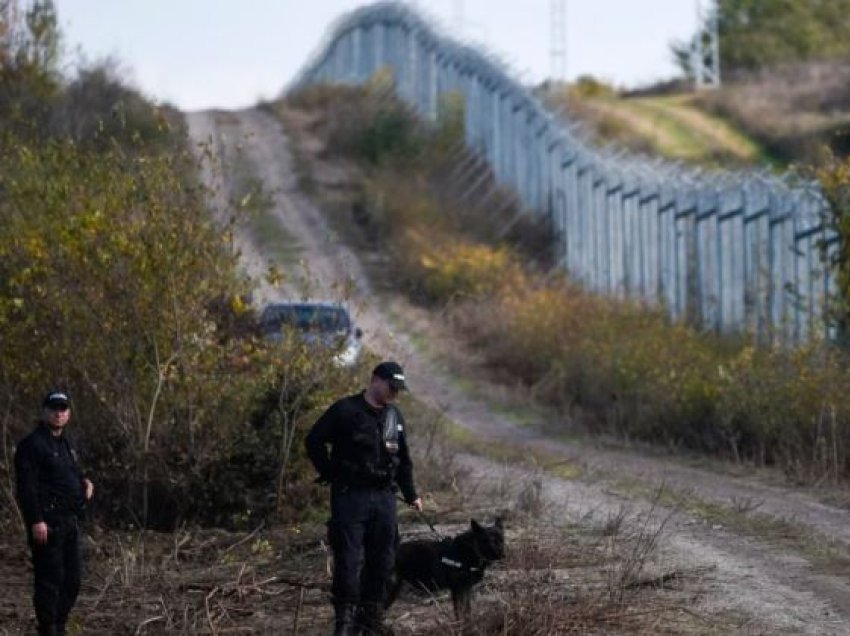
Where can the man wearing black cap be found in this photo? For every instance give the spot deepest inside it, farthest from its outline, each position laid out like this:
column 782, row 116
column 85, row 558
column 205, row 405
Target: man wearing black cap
column 52, row 492
column 368, row 459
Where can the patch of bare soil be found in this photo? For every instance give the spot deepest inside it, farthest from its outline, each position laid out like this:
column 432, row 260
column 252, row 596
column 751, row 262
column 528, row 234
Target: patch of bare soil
column 556, row 578
column 743, row 574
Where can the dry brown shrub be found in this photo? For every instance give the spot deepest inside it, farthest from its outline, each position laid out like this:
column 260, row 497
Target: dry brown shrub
column 434, row 456
column 792, row 110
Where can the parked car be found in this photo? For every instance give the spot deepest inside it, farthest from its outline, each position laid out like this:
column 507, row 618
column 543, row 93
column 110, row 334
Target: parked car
column 327, row 324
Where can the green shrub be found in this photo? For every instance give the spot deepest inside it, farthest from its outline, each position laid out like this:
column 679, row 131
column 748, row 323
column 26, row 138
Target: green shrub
column 834, row 177
column 368, row 124
column 117, row 285
column 97, row 109
column 765, row 33
column 589, row 87
column 29, row 67
column 110, row 275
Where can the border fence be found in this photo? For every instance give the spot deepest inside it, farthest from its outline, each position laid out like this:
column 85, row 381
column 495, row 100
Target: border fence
column 729, row 251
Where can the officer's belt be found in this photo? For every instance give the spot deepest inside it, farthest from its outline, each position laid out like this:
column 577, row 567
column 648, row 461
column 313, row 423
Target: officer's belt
column 63, row 503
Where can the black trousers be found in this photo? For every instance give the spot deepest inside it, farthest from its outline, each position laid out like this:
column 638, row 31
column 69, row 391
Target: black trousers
column 57, row 570
column 362, row 534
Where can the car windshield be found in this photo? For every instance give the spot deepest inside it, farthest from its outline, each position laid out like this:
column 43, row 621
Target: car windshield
column 303, row 317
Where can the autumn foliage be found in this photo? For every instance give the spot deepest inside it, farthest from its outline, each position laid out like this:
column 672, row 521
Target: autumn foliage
column 117, row 285
column 610, row 366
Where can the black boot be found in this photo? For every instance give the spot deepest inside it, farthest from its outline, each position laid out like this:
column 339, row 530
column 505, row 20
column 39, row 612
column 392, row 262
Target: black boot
column 47, row 629
column 345, row 623
column 371, row 618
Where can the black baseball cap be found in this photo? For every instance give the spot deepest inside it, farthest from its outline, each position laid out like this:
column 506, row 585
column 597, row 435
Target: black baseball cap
column 393, row 373
column 56, row 398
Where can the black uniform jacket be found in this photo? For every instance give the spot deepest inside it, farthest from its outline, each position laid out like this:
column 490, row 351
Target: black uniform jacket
column 49, row 479
column 359, row 455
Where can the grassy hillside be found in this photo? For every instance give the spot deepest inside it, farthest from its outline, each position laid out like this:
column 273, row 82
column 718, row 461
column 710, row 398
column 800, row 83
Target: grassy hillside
column 777, row 118
column 685, row 131
column 673, row 126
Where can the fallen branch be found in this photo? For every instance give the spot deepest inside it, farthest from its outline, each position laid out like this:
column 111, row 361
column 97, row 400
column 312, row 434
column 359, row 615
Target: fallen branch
column 105, row 587
column 312, row 585
column 148, row 621
column 243, row 540
column 207, row 607
column 656, row 581
column 667, row 577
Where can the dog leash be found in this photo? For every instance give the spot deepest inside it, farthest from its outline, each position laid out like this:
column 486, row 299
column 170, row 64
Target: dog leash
column 425, row 519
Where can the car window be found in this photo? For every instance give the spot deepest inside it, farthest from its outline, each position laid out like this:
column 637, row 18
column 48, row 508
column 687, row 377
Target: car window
column 305, row 318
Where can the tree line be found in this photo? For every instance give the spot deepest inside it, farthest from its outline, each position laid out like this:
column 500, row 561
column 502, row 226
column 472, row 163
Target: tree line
column 760, row 34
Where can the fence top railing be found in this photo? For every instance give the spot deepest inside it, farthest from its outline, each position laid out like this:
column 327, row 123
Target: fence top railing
column 570, row 138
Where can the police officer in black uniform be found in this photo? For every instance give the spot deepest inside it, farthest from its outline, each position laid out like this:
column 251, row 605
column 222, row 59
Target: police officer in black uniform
column 52, row 492
column 368, row 459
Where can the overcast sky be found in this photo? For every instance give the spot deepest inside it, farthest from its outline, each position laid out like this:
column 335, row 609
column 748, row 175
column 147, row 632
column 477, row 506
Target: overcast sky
column 224, row 53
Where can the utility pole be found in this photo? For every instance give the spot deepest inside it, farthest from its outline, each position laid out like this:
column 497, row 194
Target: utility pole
column 705, row 52
column 715, row 42
column 558, row 41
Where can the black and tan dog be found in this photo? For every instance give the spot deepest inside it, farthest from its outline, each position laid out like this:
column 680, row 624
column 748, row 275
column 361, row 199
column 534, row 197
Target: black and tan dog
column 456, row 564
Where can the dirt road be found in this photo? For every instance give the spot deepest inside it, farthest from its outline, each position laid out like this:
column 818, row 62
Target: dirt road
column 779, row 590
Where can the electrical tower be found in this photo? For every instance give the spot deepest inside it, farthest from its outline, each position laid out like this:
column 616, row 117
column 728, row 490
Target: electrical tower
column 705, row 51
column 558, row 41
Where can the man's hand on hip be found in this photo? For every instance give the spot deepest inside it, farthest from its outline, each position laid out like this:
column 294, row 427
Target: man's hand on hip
column 416, row 504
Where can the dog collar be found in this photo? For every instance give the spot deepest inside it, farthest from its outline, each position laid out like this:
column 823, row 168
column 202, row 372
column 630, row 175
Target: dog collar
column 455, row 564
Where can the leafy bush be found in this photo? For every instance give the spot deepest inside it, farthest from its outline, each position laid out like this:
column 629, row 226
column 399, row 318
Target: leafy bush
column 834, row 177
column 367, row 124
column 96, row 109
column 629, row 371
column 117, row 285
column 29, row 61
column 448, row 268
column 109, row 271
column 108, row 262
column 589, row 87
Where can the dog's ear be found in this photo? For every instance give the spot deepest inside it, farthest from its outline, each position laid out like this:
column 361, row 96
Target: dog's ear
column 499, row 523
column 476, row 527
